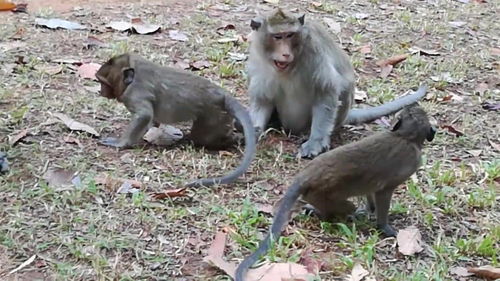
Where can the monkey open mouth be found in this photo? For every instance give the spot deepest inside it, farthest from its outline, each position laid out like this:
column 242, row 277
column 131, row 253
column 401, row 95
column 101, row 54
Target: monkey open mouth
column 281, row 65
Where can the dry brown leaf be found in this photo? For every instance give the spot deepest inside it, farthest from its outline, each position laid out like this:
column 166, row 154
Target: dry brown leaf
column 6, row 5
column 358, row 273
column 264, row 208
column 70, row 139
column 177, row 35
column 119, row 25
column 279, row 271
column 475, row 152
column 197, row 65
column 425, row 52
column 460, row 271
column 216, row 253
column 494, row 145
column 312, row 265
column 181, row 65
column 392, row 60
column 113, row 184
column 88, row 70
column 127, row 187
column 13, row 139
column 360, row 96
column 75, row 125
column 453, row 130
column 366, row 49
column 409, row 241
column 386, row 70
column 61, row 178
column 495, row 51
column 141, row 27
column 49, row 69
column 170, row 193
column 488, row 272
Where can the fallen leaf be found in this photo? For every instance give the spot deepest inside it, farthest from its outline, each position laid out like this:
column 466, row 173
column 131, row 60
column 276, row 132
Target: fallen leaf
column 366, row 49
column 58, row 23
column 127, row 187
column 457, row 24
column 452, row 130
column 113, row 184
column 216, row 253
column 460, row 271
column 223, row 153
column 237, row 56
column 333, row 25
column 181, row 65
column 68, row 61
column 409, row 241
column 88, row 70
column 418, row 50
column 23, row 265
column 220, row 30
column 17, row 137
column 446, row 76
column 197, row 65
column 494, row 145
column 481, row 88
column 360, row 96
column 170, row 193
column 316, row 4
column 495, row 51
column 480, row 1
column 177, row 35
column 75, row 125
column 279, row 271
column 358, row 273
column 61, row 178
column 392, row 60
column 474, row 152
column 361, row 16
column 93, row 89
column 491, row 106
column 70, row 139
column 386, row 70
column 164, row 135
column 312, row 265
column 264, row 208
column 20, row 32
column 119, row 25
column 6, row 5
column 49, row 69
column 272, row 1
column 142, row 27
column 488, row 272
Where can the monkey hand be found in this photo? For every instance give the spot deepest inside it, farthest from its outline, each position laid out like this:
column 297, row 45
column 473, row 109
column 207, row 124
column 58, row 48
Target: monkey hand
column 313, row 147
column 388, row 230
column 114, row 142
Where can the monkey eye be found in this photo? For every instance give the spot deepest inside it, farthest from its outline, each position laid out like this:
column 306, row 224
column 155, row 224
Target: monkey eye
column 277, row 36
column 290, row 35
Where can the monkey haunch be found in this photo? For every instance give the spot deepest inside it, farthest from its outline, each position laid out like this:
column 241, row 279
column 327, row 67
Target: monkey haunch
column 296, row 69
column 166, row 95
column 373, row 167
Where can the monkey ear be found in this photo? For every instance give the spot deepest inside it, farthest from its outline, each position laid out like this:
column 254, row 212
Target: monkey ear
column 431, row 133
column 301, row 19
column 254, row 24
column 128, row 75
column 397, row 125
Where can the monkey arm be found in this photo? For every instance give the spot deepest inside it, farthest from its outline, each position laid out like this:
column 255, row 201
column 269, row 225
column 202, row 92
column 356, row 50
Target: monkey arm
column 324, row 112
column 143, row 114
column 260, row 112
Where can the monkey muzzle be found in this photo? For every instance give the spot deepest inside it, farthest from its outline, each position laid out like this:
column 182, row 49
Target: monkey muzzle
column 281, row 65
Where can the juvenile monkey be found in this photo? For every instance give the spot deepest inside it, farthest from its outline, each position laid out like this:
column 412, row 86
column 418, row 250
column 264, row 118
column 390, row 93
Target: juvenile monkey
column 296, row 70
column 153, row 93
column 373, row 166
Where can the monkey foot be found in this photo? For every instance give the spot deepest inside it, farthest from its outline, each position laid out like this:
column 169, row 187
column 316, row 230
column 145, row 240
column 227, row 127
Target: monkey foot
column 387, row 230
column 114, row 142
column 312, row 148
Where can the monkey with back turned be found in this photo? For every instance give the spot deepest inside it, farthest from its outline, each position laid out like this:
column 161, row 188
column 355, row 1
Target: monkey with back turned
column 299, row 75
column 372, row 167
column 154, row 93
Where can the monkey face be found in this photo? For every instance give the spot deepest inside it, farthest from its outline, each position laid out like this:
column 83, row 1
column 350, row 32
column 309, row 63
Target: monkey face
column 414, row 123
column 114, row 76
column 280, row 36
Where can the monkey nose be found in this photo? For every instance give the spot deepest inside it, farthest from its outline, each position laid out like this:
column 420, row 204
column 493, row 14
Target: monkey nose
column 286, row 55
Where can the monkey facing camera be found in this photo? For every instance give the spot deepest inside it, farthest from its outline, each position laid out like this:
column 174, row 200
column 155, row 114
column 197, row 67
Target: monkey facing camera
column 297, row 70
column 154, row 93
column 372, row 167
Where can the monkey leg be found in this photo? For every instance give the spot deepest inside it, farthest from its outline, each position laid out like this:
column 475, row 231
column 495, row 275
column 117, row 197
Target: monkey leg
column 382, row 204
column 370, row 203
column 328, row 209
column 213, row 131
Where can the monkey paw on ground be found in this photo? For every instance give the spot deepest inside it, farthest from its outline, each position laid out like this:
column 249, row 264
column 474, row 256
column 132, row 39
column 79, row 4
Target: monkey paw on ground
column 313, row 147
column 114, row 142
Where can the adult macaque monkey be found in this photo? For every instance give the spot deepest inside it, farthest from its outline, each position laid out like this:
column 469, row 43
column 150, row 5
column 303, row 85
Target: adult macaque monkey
column 296, row 69
column 373, row 166
column 167, row 95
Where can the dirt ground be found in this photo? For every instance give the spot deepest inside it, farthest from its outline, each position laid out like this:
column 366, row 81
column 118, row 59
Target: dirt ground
column 88, row 231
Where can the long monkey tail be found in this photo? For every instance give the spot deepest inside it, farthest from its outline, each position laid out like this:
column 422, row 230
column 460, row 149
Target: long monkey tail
column 239, row 112
column 357, row 116
column 280, row 219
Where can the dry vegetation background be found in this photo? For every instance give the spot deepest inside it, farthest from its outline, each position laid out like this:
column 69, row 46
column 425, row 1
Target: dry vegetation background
column 87, row 231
